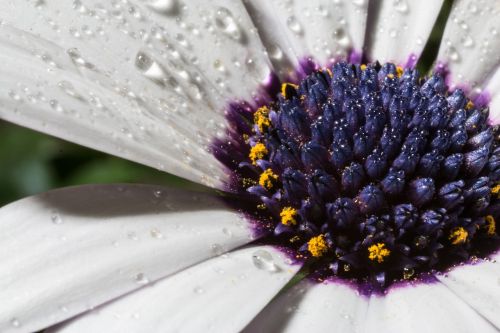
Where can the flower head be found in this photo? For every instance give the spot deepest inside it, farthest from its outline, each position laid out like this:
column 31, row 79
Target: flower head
column 347, row 171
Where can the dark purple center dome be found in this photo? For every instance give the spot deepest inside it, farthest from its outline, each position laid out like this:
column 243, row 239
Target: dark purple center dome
column 367, row 173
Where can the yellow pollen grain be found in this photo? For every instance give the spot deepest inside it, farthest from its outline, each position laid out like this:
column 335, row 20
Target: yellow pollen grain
column 288, row 216
column 317, row 246
column 257, row 152
column 329, row 72
column 267, row 179
column 378, row 252
column 399, row 71
column 362, row 67
column 469, row 105
column 458, row 236
column 261, row 118
column 490, row 225
column 390, row 76
column 284, row 87
column 496, row 190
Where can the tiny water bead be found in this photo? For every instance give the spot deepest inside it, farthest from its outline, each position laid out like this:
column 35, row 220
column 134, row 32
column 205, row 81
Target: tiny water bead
column 368, row 173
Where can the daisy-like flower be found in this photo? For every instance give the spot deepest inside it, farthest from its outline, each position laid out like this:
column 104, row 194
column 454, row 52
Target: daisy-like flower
column 354, row 194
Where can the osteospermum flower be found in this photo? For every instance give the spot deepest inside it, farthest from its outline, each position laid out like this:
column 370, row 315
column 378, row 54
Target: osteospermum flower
column 355, row 194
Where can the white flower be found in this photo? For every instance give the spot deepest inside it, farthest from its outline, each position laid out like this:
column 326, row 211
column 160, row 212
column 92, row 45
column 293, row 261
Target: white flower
column 149, row 81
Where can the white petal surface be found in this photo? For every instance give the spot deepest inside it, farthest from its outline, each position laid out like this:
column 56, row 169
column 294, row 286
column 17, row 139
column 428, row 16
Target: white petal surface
column 479, row 286
column 293, row 30
column 423, row 308
column 398, row 30
column 492, row 94
column 219, row 295
column 471, row 42
column 69, row 250
column 144, row 81
column 310, row 307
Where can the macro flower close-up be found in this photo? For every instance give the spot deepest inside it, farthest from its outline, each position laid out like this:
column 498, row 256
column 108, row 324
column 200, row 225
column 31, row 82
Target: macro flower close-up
column 346, row 155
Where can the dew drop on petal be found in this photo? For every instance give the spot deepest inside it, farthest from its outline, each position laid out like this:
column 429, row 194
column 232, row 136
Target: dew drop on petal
column 132, row 236
column 342, row 38
column 226, row 23
column 198, row 290
column 217, row 249
column 294, row 25
column 56, row 218
column 78, row 60
column 262, row 259
column 167, row 7
column 275, row 52
column 148, row 67
column 155, row 233
column 14, row 322
column 140, row 278
column 400, row 6
column 467, row 40
column 453, row 54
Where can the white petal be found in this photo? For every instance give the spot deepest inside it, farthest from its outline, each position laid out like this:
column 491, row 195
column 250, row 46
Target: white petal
column 294, row 30
column 492, row 95
column 471, row 42
column 145, row 84
column 398, row 30
column 312, row 307
column 219, row 295
column 479, row 286
column 66, row 251
column 423, row 308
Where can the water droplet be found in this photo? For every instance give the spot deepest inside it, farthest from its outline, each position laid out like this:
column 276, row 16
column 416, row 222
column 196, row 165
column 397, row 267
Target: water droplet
column 227, row 232
column 275, row 52
column 69, row 89
column 155, row 233
column 467, row 40
column 54, row 104
column 198, row 290
column 294, row 25
column 226, row 23
column 453, row 54
column 148, row 67
column 141, row 279
column 472, row 7
column 77, row 59
column 132, row 236
column 167, row 7
column 56, row 218
column 262, row 259
column 359, row 3
column 14, row 322
column 15, row 96
column 217, row 249
column 219, row 66
column 342, row 38
column 400, row 6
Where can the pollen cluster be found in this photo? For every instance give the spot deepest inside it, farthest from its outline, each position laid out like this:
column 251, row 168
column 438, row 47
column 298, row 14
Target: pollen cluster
column 368, row 172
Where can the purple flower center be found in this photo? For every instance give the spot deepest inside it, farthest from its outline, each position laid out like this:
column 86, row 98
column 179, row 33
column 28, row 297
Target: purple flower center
column 368, row 173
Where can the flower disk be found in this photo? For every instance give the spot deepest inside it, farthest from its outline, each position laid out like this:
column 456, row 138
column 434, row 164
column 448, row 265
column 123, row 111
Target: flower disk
column 368, row 173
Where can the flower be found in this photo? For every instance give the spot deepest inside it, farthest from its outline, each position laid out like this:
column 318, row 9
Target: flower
column 149, row 81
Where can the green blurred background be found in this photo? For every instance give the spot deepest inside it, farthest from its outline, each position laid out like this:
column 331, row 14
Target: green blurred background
column 31, row 162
